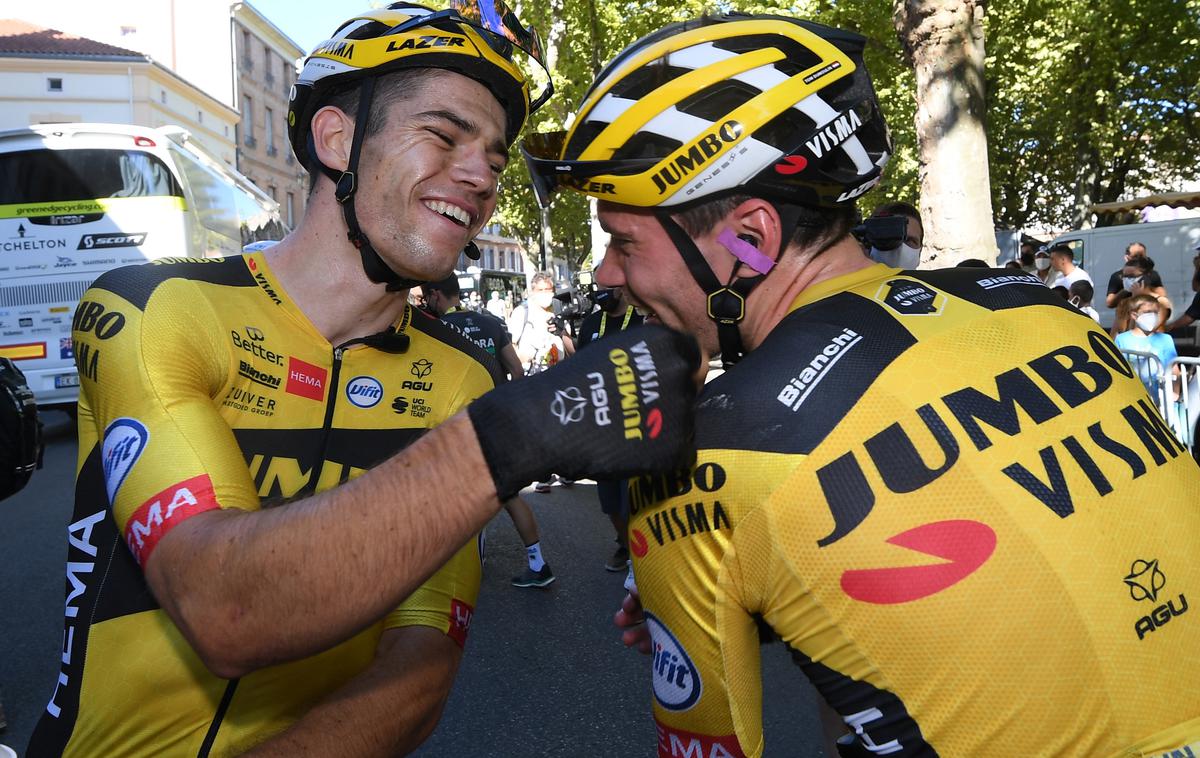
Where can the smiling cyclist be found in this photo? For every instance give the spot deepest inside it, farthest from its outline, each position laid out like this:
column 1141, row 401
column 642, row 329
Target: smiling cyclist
column 944, row 490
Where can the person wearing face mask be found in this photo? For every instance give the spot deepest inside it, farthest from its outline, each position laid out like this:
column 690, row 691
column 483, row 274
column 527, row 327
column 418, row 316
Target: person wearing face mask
column 907, row 255
column 1041, row 266
column 1118, row 288
column 1080, row 295
column 1142, row 338
column 1026, row 258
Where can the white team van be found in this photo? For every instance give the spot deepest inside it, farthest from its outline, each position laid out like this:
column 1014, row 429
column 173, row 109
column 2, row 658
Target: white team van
column 1170, row 244
column 79, row 199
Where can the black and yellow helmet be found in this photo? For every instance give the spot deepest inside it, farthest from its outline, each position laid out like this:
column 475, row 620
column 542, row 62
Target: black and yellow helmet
column 479, row 39
column 765, row 105
column 482, row 39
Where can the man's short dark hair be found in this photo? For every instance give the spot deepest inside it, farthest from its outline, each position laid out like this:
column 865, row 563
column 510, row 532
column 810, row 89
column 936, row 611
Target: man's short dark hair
column 390, row 88
column 448, row 286
column 1062, row 250
column 1141, row 263
column 972, row 263
column 1083, row 290
column 816, row 228
column 899, row 208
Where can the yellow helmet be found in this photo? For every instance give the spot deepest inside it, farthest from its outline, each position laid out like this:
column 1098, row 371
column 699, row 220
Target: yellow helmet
column 476, row 38
column 765, row 105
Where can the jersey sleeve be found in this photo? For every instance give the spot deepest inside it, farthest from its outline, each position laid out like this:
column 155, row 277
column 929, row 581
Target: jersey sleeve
column 446, row 601
column 149, row 371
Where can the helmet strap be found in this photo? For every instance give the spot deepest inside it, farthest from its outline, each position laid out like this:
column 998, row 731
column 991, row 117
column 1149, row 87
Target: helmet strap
column 726, row 302
column 346, row 184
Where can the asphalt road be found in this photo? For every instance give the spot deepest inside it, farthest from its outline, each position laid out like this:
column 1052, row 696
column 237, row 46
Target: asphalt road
column 544, row 673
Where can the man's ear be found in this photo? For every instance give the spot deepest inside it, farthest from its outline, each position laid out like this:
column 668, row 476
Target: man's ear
column 332, row 134
column 756, row 221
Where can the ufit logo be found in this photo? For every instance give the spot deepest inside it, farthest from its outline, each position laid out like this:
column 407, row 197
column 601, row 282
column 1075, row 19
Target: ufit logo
column 691, row 158
column 677, row 684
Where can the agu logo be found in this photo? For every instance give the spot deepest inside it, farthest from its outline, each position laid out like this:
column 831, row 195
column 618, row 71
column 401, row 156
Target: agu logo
column 1145, row 581
column 364, row 391
column 124, row 441
column 568, row 405
column 677, row 684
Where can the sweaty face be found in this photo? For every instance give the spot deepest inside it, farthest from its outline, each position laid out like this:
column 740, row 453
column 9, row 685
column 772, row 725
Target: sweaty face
column 643, row 262
column 428, row 179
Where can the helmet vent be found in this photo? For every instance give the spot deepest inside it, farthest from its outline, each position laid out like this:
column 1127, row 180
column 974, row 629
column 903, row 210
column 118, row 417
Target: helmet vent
column 715, row 102
column 647, row 79
column 647, row 145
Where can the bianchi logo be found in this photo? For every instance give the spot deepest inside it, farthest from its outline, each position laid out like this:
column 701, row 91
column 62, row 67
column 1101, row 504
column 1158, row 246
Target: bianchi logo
column 1145, row 580
column 568, row 405
column 259, row 377
column 796, row 391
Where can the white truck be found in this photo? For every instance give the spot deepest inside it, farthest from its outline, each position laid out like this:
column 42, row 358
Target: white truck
column 79, row 199
column 1170, row 244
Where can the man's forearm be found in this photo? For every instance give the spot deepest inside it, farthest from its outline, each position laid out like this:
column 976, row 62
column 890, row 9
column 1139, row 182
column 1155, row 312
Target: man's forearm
column 389, row 709
column 253, row 589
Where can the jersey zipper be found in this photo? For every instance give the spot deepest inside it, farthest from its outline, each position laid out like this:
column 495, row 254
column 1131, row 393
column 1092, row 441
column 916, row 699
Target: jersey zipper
column 327, row 426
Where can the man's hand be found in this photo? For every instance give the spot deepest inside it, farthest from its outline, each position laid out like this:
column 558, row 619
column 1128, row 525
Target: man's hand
column 606, row 414
column 632, row 621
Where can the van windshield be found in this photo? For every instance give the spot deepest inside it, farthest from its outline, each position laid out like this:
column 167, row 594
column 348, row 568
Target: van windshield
column 51, row 176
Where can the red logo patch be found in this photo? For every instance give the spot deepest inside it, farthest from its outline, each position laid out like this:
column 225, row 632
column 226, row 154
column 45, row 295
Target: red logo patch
column 460, row 621
column 654, row 423
column 253, row 266
column 966, row 544
column 165, row 511
column 791, row 164
column 306, row 380
column 638, row 544
column 676, row 743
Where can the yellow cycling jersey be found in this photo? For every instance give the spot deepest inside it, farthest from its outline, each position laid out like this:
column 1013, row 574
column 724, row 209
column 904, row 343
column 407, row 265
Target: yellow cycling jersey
column 952, row 499
column 204, row 386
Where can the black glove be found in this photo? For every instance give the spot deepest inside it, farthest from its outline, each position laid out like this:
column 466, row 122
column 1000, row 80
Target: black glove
column 603, row 414
column 556, row 326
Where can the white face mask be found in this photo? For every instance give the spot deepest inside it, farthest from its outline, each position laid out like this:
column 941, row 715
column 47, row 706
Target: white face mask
column 1041, row 264
column 1147, row 322
column 1127, row 282
column 902, row 257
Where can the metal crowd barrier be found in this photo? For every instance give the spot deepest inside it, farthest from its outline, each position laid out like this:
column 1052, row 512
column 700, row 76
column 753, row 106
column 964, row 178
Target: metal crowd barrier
column 1175, row 389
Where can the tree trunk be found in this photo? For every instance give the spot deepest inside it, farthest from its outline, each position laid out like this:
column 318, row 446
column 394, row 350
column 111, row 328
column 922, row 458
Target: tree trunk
column 943, row 41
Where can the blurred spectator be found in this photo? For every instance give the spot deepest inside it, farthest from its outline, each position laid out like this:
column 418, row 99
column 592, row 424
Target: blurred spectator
column 1122, row 321
column 1017, row 265
column 1116, row 290
column 475, row 303
column 1041, row 266
column 1062, row 260
column 1150, row 283
column 1061, row 291
column 1189, row 316
column 907, row 255
column 1025, row 259
column 495, row 306
column 1196, row 270
column 1142, row 337
column 972, row 263
column 1080, row 295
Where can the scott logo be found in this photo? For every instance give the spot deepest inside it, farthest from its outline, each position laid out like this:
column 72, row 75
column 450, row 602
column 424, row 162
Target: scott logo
column 700, row 152
column 91, row 317
column 677, row 684
column 568, row 405
column 967, row 545
column 364, row 391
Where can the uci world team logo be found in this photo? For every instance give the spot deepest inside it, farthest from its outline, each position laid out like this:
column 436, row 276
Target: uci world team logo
column 364, row 391
column 677, row 684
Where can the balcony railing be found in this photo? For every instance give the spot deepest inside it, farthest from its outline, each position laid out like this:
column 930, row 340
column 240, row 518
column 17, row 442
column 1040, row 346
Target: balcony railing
column 272, row 151
column 250, row 141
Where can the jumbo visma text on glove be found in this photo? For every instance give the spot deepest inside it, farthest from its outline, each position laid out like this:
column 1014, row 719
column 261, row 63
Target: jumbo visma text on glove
column 619, row 409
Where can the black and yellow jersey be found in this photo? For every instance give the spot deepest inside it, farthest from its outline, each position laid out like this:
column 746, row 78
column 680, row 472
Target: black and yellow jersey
column 952, row 499
column 204, row 386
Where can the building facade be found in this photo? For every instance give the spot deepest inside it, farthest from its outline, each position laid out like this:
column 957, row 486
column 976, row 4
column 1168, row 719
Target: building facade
column 49, row 76
column 265, row 61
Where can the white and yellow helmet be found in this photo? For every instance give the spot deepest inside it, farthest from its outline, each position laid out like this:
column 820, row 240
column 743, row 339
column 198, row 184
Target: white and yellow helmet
column 766, row 105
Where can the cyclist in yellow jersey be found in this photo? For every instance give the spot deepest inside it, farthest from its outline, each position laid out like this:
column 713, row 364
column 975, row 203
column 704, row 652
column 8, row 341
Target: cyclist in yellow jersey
column 237, row 579
column 945, row 491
